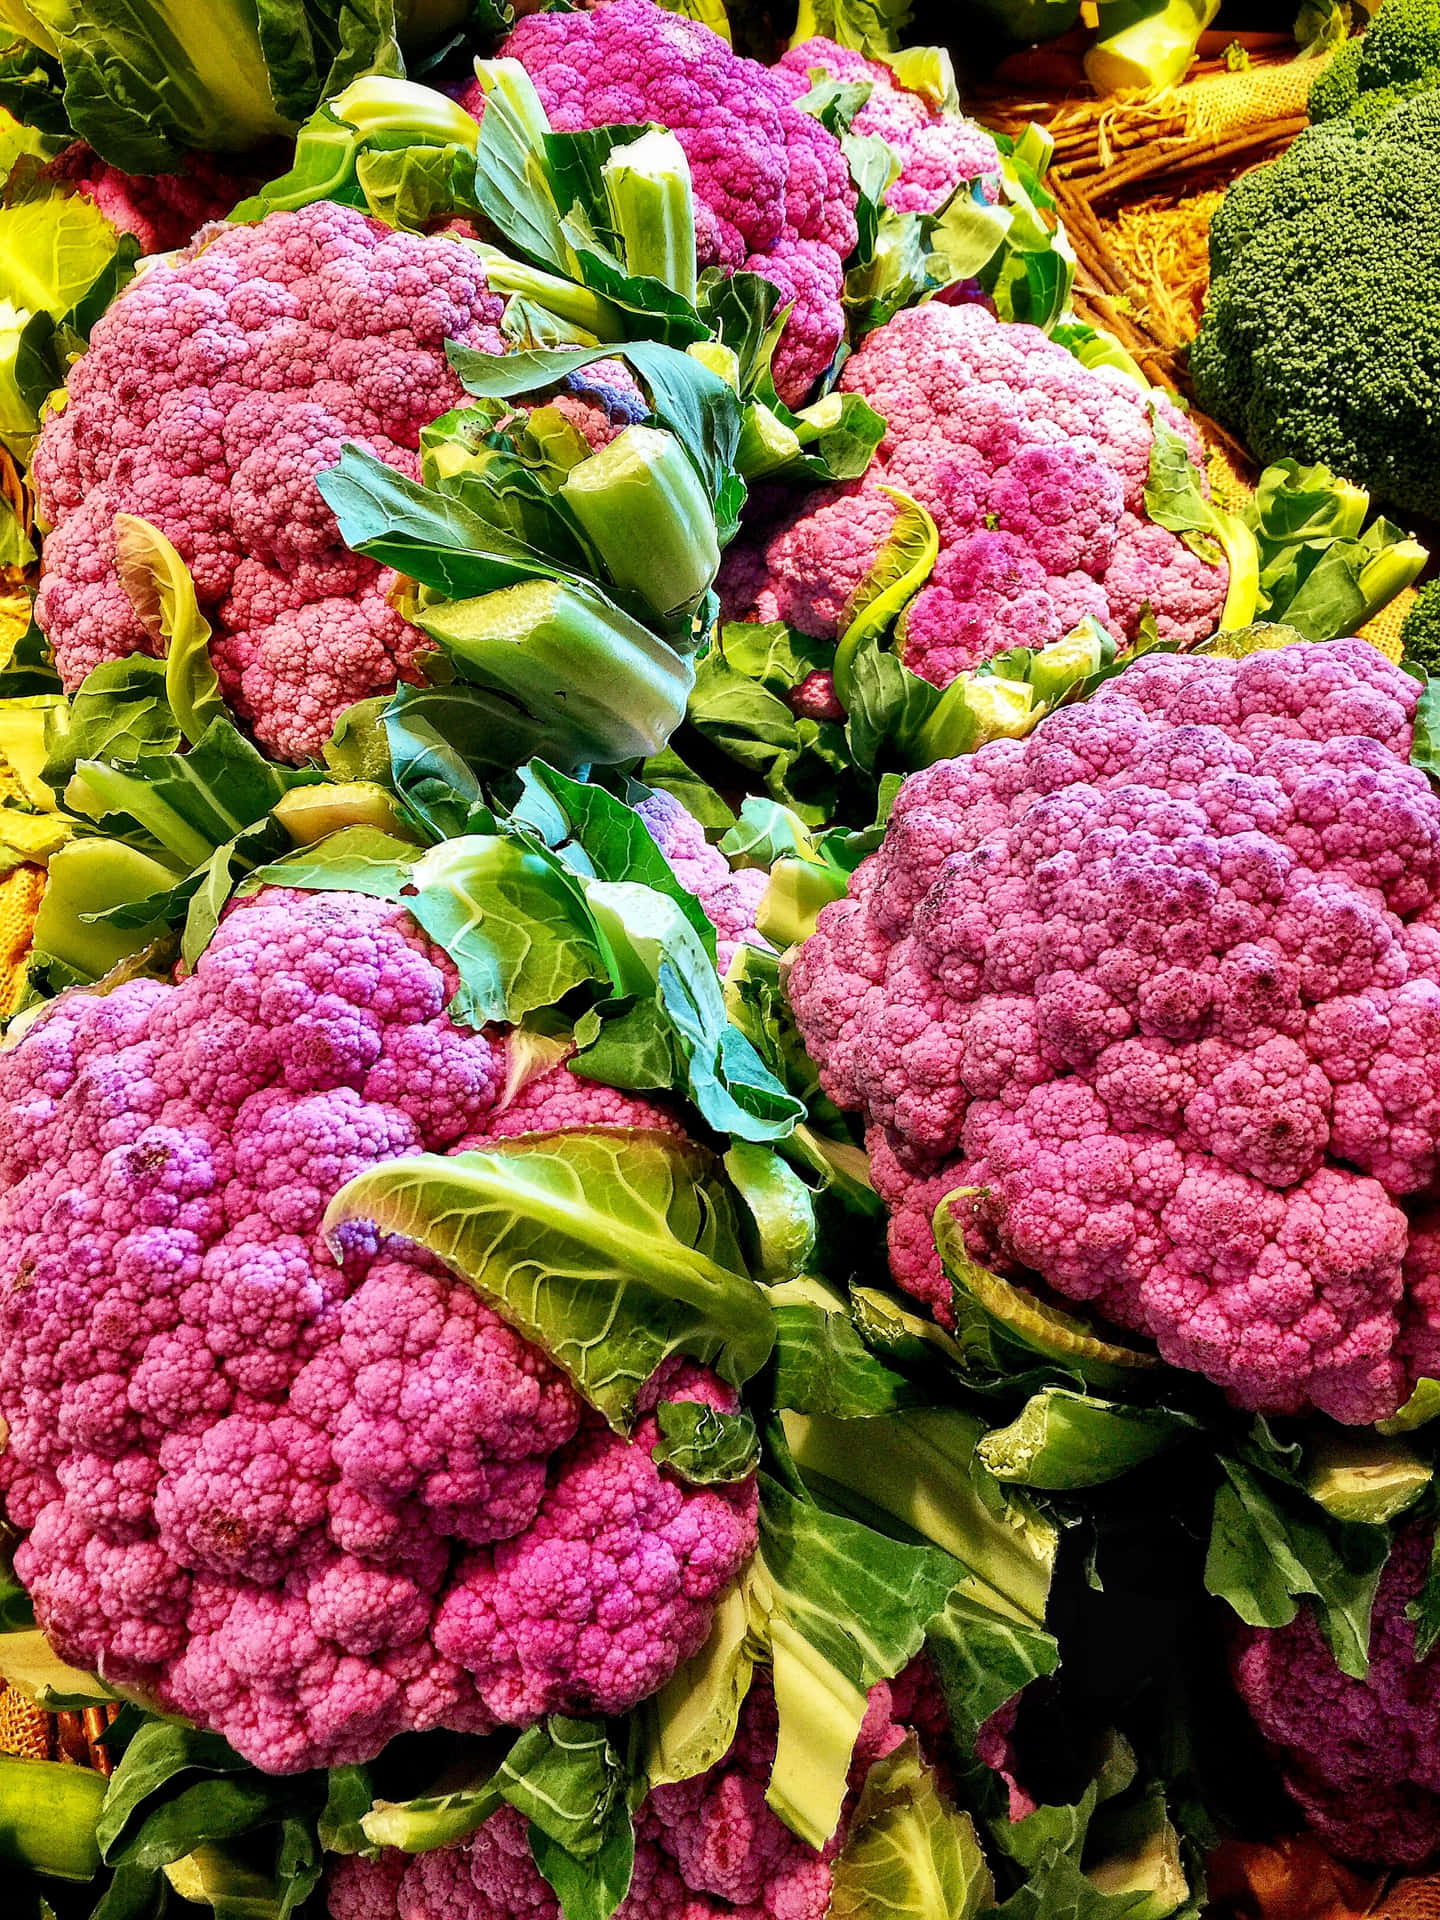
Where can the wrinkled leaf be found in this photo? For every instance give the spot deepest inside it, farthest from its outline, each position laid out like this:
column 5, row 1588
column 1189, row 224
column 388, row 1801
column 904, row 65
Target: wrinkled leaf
column 907, row 1853
column 611, row 1251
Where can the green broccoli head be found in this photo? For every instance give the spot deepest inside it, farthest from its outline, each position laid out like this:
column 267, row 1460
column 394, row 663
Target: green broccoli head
column 1321, row 333
column 1397, row 57
column 1420, row 635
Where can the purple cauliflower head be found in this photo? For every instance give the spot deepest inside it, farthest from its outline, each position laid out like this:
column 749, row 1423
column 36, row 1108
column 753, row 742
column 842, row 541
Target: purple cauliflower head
column 1360, row 1757
column 1162, row 984
column 1033, row 469
column 773, row 194
column 214, row 391
column 705, row 1849
column 312, row 1503
column 938, row 151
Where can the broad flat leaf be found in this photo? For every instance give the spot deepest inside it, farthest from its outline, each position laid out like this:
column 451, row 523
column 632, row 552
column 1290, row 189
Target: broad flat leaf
column 698, row 407
column 904, row 562
column 17, row 549
column 654, row 955
column 871, row 27
column 161, row 1751
column 432, row 778
column 133, row 1893
column 191, row 803
column 593, row 1887
column 781, row 1209
column 1422, row 1407
column 429, row 535
column 349, row 1794
column 431, row 1821
column 1425, row 748
column 515, row 931
column 119, row 712
column 982, row 1660
column 887, row 707
column 996, row 1319
column 1062, row 1439
column 512, row 183
column 611, row 1251
column 30, row 1665
column 1424, row 1609
column 506, row 376
column 908, row 1854
column 690, row 1724
column 52, row 249
column 216, row 883
column 821, row 1363
column 158, row 586
column 743, row 718
column 1266, row 1553
column 842, row 1608
column 918, row 1466
column 508, row 918
column 612, row 838
column 220, row 1807
column 355, row 860
column 564, row 1776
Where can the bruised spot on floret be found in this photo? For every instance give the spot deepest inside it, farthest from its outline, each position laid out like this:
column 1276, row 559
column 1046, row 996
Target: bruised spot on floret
column 1161, row 982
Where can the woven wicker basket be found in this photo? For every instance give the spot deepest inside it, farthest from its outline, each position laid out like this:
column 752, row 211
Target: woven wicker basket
column 1137, row 178
column 32, row 1733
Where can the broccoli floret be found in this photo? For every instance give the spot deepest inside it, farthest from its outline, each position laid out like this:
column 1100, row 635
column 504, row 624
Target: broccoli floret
column 1336, row 87
column 1397, row 57
column 1420, row 635
column 1321, row 333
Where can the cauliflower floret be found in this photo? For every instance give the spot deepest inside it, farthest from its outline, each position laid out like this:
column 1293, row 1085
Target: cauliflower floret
column 1033, row 469
column 162, row 210
column 730, row 897
column 308, row 1504
column 1162, row 983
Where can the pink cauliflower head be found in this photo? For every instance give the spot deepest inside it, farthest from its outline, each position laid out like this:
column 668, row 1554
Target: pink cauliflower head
column 773, row 194
column 1033, row 469
column 311, row 1504
column 1162, row 983
column 938, row 151
column 705, row 1849
column 162, row 210
column 213, row 392
column 1360, row 1757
